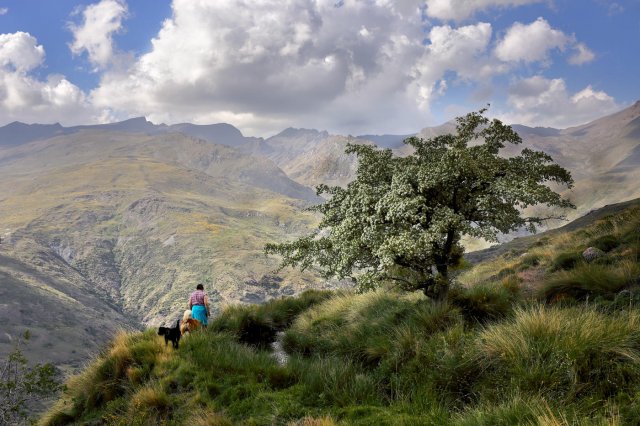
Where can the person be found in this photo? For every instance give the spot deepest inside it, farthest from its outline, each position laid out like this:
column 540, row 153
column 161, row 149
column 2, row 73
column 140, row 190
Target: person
column 199, row 305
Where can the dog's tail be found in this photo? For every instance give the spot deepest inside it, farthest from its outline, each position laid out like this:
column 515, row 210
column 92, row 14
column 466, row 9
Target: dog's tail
column 178, row 324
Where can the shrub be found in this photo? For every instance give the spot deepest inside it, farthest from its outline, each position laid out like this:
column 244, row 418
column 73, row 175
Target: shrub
column 335, row 381
column 348, row 325
column 21, row 385
column 564, row 261
column 528, row 260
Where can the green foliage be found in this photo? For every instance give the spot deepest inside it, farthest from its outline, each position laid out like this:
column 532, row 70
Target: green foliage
column 21, row 385
column 382, row 358
column 404, row 217
column 490, row 355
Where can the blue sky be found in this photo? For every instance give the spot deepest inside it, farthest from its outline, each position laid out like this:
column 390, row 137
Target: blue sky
column 351, row 67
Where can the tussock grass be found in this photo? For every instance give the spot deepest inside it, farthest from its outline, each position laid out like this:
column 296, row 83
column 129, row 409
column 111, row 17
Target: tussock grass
column 566, row 260
column 486, row 302
column 591, row 280
column 563, row 353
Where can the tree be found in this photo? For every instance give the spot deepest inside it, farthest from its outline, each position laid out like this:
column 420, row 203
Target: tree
column 401, row 219
column 21, row 385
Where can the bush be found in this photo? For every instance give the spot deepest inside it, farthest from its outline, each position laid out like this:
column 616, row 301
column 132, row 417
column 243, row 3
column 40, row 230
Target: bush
column 22, row 385
column 564, row 261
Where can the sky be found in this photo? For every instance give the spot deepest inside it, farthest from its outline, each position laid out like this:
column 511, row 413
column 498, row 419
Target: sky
column 346, row 66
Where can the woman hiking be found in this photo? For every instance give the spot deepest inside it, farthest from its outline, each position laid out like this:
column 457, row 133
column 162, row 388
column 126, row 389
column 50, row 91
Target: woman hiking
column 199, row 305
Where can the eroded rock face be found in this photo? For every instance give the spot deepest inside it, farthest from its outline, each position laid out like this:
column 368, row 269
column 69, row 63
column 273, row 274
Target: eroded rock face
column 591, row 254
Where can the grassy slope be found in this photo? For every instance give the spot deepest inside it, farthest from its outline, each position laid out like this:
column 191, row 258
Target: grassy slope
column 527, row 339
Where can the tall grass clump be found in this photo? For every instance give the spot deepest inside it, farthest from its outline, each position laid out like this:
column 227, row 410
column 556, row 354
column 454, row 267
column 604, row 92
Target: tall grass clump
column 487, row 301
column 364, row 327
column 565, row 261
column 258, row 325
column 591, row 280
column 606, row 243
column 130, row 358
column 562, row 354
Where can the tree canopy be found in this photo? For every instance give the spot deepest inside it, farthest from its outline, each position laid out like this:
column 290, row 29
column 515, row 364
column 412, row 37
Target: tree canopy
column 402, row 219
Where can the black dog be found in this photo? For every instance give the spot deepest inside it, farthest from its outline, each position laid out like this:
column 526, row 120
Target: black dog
column 172, row 334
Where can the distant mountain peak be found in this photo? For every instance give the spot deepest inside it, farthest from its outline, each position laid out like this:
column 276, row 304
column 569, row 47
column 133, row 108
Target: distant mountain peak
column 291, row 132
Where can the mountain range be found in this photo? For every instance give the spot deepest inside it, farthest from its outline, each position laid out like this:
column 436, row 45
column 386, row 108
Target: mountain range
column 112, row 226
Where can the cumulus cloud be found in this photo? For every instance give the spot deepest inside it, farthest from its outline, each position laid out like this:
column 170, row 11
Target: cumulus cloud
column 293, row 63
column 26, row 98
column 461, row 50
column 94, row 35
column 530, row 43
column 19, row 51
column 350, row 67
column 3, row 10
column 271, row 59
column 462, row 9
column 538, row 101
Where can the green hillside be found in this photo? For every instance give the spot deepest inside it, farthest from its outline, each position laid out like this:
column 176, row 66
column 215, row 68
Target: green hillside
column 535, row 336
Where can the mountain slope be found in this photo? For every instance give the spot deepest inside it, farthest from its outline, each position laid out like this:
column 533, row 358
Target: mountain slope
column 140, row 220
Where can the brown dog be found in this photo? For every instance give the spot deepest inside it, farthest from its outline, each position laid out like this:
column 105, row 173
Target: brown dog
column 188, row 324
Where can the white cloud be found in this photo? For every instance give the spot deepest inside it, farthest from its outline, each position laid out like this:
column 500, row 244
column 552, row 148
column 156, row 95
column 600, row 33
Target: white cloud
column 537, row 101
column 530, row 43
column 4, row 11
column 461, row 50
column 350, row 67
column 582, row 55
column 19, row 51
column 26, row 98
column 462, row 9
column 95, row 34
column 289, row 62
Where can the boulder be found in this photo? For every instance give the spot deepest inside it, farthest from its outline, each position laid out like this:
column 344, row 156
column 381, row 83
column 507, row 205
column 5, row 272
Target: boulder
column 591, row 254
